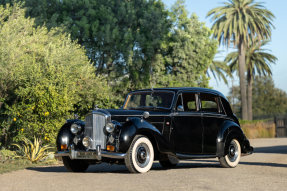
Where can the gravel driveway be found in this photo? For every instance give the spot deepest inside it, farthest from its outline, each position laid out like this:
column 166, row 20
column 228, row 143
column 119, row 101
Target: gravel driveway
column 265, row 169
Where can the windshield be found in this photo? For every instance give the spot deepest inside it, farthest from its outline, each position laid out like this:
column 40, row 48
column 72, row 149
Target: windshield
column 153, row 99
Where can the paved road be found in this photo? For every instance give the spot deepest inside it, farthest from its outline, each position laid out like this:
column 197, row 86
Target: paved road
column 265, row 169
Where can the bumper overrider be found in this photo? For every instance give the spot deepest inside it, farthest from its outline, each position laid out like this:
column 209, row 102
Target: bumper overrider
column 93, row 154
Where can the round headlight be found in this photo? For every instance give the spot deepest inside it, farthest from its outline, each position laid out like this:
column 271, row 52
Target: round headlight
column 110, row 127
column 75, row 128
column 87, row 142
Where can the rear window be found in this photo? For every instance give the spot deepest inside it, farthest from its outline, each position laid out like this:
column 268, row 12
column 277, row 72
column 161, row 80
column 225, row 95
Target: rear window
column 209, row 102
column 227, row 107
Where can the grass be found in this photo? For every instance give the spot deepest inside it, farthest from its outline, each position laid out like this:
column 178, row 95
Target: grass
column 9, row 164
column 259, row 129
column 17, row 165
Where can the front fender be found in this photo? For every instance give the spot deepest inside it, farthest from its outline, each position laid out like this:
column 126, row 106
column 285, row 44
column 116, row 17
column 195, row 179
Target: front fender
column 136, row 126
column 65, row 136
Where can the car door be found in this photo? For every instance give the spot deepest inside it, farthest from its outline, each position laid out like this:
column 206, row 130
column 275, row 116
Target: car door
column 211, row 120
column 186, row 130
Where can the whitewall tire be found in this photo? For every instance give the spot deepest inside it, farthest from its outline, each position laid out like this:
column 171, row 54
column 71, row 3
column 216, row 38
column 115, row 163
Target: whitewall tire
column 140, row 155
column 232, row 158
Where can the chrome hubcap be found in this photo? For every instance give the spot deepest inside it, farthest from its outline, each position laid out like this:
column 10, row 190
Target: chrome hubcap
column 142, row 155
column 233, row 151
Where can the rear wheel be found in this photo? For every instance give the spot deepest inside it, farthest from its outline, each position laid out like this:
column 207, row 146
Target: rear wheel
column 232, row 158
column 75, row 165
column 140, row 155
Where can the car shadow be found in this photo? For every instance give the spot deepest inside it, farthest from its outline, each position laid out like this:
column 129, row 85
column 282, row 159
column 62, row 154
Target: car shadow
column 275, row 149
column 254, row 163
column 106, row 168
column 121, row 169
column 200, row 163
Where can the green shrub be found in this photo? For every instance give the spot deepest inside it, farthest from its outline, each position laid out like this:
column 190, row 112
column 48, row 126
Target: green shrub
column 44, row 78
column 6, row 155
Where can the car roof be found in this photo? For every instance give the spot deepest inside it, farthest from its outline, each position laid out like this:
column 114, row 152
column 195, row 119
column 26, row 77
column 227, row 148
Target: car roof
column 177, row 89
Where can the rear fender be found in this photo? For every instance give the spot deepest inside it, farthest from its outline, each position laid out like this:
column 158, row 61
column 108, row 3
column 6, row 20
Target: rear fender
column 136, row 126
column 228, row 131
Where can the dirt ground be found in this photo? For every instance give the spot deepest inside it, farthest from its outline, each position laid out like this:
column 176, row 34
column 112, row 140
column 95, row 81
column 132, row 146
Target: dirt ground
column 265, row 169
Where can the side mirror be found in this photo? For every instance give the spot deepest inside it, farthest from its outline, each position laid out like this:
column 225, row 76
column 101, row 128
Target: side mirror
column 179, row 108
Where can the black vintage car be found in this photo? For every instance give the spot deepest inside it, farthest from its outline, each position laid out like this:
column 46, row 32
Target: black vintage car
column 164, row 124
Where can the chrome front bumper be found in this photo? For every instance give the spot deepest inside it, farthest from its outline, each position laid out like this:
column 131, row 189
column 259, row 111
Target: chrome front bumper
column 95, row 154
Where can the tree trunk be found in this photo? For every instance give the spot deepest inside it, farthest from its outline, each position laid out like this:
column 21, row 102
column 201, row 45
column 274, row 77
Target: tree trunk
column 249, row 94
column 241, row 62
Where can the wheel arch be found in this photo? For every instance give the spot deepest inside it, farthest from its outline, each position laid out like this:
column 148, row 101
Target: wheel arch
column 228, row 131
column 152, row 139
column 136, row 126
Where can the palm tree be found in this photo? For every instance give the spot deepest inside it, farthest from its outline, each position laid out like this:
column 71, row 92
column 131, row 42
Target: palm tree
column 235, row 21
column 219, row 69
column 257, row 61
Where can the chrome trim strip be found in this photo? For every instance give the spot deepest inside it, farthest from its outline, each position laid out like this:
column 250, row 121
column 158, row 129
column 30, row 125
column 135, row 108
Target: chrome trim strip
column 185, row 156
column 62, row 153
column 113, row 155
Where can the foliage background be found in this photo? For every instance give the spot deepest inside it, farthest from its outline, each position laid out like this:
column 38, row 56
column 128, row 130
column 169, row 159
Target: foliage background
column 63, row 57
column 44, row 77
column 267, row 100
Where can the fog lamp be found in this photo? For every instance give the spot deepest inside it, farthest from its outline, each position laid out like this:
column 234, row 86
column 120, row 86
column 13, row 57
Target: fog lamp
column 110, row 127
column 87, row 142
column 75, row 128
column 63, row 147
column 110, row 148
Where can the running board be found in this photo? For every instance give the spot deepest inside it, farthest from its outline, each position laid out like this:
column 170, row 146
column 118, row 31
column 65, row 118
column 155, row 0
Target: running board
column 185, row 156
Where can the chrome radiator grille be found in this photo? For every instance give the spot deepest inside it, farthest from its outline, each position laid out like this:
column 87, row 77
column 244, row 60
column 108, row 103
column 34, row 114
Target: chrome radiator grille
column 95, row 128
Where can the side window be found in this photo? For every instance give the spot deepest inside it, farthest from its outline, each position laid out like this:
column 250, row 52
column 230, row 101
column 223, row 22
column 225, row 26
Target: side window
column 227, row 107
column 209, row 102
column 189, row 102
column 179, row 101
column 134, row 101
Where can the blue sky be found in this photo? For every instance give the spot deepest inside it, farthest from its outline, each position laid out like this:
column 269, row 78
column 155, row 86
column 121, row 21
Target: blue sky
column 277, row 45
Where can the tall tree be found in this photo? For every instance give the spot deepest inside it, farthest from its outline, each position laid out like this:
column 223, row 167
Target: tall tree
column 257, row 61
column 237, row 21
column 122, row 38
column 188, row 51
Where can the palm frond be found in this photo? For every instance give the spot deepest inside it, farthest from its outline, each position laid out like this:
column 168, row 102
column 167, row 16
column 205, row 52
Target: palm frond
column 258, row 59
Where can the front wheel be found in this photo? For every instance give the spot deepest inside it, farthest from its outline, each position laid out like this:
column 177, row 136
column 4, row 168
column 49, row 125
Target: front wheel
column 140, row 155
column 232, row 158
column 75, row 165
